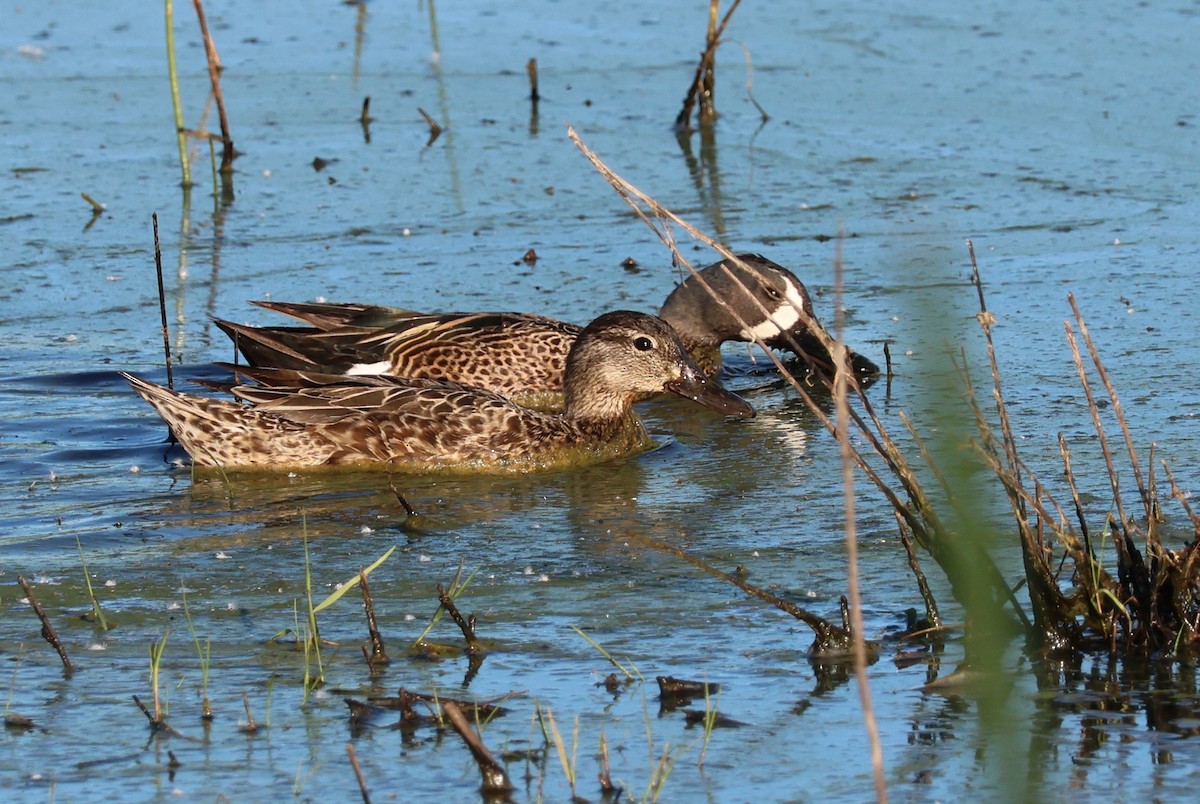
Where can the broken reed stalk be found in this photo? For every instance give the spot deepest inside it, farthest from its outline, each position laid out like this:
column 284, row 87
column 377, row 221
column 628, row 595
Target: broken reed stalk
column 931, row 608
column 48, row 632
column 435, row 130
column 362, row 783
column 466, row 625
column 408, row 509
column 531, row 69
column 162, row 303
column 830, row 639
column 377, row 656
column 251, row 727
column 214, row 77
column 700, row 88
column 156, row 725
column 173, row 77
column 842, row 407
column 495, row 778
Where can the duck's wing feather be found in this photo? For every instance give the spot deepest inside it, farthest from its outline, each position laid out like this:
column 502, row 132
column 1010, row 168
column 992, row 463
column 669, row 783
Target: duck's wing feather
column 331, row 315
column 505, row 352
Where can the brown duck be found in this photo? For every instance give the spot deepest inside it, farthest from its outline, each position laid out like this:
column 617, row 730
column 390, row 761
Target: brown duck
column 296, row 419
column 522, row 355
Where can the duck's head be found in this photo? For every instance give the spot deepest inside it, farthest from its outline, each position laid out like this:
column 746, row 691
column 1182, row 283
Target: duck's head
column 624, row 356
column 702, row 321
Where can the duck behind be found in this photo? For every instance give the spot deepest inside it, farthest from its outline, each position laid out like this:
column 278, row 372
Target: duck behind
column 523, row 356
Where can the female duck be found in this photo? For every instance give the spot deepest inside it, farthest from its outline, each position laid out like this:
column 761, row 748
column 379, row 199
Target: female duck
column 422, row 425
column 522, row 355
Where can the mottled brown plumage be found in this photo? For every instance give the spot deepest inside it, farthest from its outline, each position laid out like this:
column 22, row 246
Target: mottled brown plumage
column 299, row 419
column 521, row 355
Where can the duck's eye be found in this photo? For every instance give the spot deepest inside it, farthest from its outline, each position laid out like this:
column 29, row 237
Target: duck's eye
column 643, row 344
column 774, row 294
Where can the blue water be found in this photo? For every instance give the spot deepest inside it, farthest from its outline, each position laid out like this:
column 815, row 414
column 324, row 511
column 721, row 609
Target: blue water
column 1062, row 141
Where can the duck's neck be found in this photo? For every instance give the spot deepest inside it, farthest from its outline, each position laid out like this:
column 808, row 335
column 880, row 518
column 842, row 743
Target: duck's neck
column 599, row 415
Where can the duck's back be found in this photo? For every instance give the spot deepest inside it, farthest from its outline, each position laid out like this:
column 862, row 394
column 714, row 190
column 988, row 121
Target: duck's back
column 521, row 356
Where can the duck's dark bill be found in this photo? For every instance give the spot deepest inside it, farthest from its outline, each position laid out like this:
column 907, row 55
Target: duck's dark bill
column 696, row 387
column 820, row 358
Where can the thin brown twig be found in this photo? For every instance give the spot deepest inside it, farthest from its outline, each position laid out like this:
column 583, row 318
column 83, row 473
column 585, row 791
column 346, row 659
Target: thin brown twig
column 828, row 635
column 48, row 632
column 841, row 360
column 531, row 69
column 250, row 726
column 378, row 655
column 696, row 88
column 435, row 129
column 162, row 303
column 408, row 509
column 1116, row 404
column 495, row 779
column 1113, row 479
column 467, row 626
column 931, row 609
column 358, row 774
column 214, row 77
column 1178, row 494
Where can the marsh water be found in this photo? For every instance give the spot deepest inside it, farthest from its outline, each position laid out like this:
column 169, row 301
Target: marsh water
column 1062, row 139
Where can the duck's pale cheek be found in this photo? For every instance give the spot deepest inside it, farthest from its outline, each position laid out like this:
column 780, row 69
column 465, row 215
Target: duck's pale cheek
column 785, row 316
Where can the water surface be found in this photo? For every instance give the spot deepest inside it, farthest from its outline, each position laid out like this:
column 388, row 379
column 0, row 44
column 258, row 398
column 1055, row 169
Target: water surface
column 1063, row 143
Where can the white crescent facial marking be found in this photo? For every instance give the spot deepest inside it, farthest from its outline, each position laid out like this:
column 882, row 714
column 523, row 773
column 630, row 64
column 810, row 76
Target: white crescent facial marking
column 360, row 369
column 785, row 316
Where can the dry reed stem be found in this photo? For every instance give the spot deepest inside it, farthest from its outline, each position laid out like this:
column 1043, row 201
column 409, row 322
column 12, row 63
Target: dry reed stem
column 435, row 129
column 251, row 726
column 214, row 77
column 377, row 655
column 1070, row 475
column 842, row 408
column 931, row 608
column 162, row 304
column 362, row 783
column 1113, row 480
column 48, row 632
column 1178, row 494
column 495, row 779
column 1116, row 403
column 986, row 320
column 826, row 632
column 531, row 70
column 696, row 89
column 466, row 625
column 923, row 451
